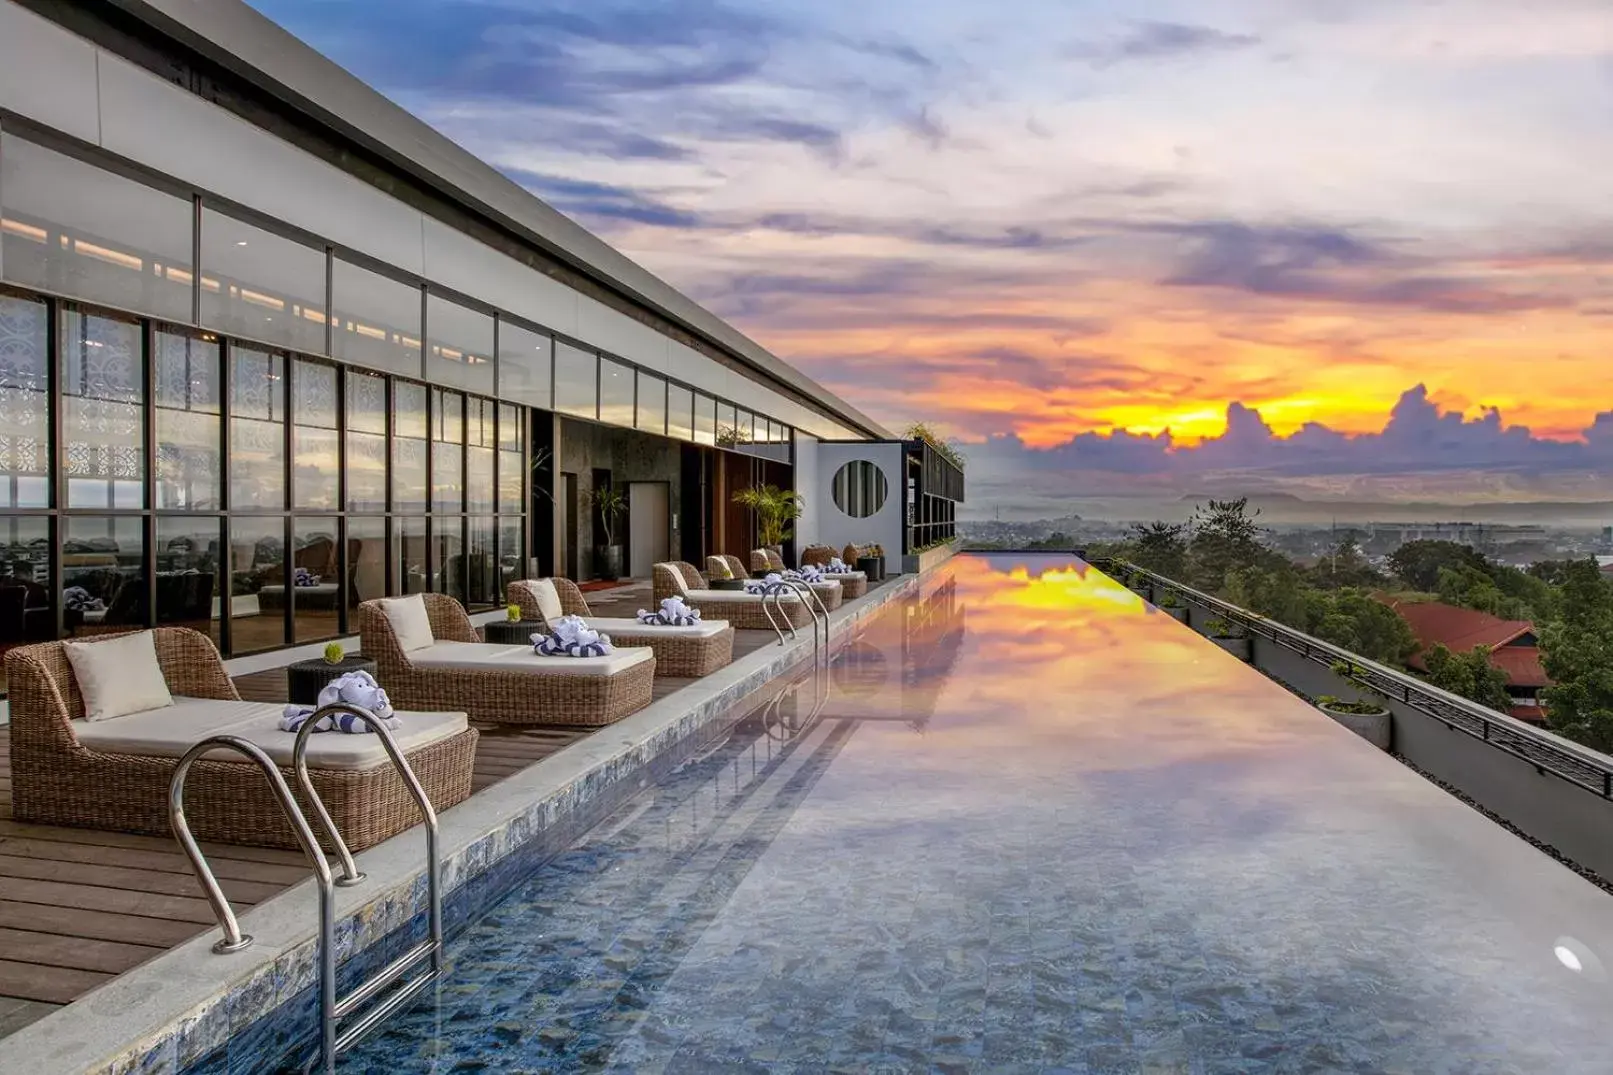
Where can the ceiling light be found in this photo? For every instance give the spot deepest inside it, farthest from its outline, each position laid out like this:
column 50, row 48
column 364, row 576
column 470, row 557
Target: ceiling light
column 241, row 243
column 1579, row 959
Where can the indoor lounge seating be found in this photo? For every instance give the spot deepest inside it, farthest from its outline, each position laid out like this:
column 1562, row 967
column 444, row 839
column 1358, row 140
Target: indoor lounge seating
column 691, row 650
column 73, row 764
column 429, row 656
column 676, row 578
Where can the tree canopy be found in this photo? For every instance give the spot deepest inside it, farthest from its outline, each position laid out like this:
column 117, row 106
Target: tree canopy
column 1469, row 674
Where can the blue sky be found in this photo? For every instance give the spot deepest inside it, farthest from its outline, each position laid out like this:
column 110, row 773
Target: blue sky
column 1062, row 231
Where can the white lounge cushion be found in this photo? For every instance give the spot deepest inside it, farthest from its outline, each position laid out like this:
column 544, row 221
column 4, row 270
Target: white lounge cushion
column 694, row 597
column 170, row 731
column 548, row 598
column 493, row 657
column 409, row 621
column 838, row 575
column 703, row 629
column 118, row 675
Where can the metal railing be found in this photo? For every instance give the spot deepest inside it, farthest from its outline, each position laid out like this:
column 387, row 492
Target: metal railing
column 332, row 1008
column 1548, row 753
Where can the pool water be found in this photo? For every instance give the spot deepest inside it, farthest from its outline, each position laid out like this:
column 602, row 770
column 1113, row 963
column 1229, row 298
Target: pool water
column 1036, row 826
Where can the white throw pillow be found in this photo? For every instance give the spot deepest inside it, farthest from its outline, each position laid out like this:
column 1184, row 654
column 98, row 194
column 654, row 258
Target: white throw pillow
column 409, row 621
column 118, row 676
column 548, row 598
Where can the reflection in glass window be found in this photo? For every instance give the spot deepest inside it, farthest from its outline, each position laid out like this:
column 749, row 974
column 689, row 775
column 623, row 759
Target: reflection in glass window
column 188, row 425
column 744, row 427
column 24, row 403
column 705, row 420
column 104, row 573
column 190, row 573
column 615, row 393
column 316, row 445
column 366, row 561
column 103, row 420
column 366, row 442
column 261, row 286
column 651, row 403
column 461, row 339
column 257, row 583
column 576, row 381
column 76, row 229
column 679, row 412
column 511, row 460
column 511, row 552
column 448, row 555
column 314, row 600
column 409, row 447
column 377, row 320
column 447, row 451
column 483, row 587
column 27, row 598
column 727, row 428
column 409, row 553
column 525, row 365
column 481, row 435
column 257, row 429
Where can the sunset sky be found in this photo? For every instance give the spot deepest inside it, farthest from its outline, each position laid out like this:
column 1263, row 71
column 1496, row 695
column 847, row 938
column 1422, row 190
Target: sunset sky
column 1115, row 245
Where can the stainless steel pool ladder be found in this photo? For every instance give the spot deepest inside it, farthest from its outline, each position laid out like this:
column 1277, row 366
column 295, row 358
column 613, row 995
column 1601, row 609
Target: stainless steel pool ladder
column 332, row 1009
column 814, row 606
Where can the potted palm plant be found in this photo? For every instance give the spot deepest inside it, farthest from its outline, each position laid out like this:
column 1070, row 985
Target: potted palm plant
column 1366, row 715
column 611, row 506
column 1230, row 637
column 775, row 509
column 1171, row 603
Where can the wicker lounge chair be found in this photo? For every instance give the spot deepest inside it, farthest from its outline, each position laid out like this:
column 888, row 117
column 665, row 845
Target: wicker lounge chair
column 501, row 684
column 679, row 579
column 679, row 651
column 113, row 774
column 829, row 591
column 854, row 584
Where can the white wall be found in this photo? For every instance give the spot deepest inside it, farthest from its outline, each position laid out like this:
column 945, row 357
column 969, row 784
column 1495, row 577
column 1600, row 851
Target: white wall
column 806, row 483
column 63, row 82
column 884, row 527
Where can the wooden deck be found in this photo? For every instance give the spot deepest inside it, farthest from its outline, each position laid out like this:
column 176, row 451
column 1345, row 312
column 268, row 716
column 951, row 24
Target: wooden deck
column 79, row 906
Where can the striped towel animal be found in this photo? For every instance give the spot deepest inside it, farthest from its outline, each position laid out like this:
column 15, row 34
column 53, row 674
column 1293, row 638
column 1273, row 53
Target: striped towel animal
column 808, row 574
column 353, row 688
column 773, row 583
column 674, row 612
column 570, row 636
column 837, row 566
column 304, row 577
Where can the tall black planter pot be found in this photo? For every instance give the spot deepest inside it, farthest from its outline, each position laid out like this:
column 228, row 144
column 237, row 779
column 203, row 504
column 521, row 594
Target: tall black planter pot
column 608, row 559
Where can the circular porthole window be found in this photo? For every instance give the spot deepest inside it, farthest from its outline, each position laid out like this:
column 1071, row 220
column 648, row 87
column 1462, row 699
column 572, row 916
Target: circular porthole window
column 860, row 488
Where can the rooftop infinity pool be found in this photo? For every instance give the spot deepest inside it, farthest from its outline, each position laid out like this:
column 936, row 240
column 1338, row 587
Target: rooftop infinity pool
column 1036, row 825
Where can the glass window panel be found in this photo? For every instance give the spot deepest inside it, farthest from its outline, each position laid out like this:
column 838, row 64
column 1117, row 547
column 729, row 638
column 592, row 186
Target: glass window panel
column 261, row 286
column 27, row 598
column 576, row 381
column 103, row 573
column 461, row 340
column 679, row 412
column 511, row 553
column 744, row 427
column 315, row 443
column 76, row 229
column 257, row 583
column 257, row 429
column 188, row 425
column 103, row 432
column 615, row 393
column 366, row 442
column 727, row 427
column 377, row 320
column 705, row 420
column 190, row 576
column 447, row 451
column 525, row 365
column 409, row 449
column 484, row 589
column 316, row 595
column 511, row 461
column 24, row 403
column 448, row 555
column 409, row 552
column 366, row 562
column 651, row 403
column 481, row 435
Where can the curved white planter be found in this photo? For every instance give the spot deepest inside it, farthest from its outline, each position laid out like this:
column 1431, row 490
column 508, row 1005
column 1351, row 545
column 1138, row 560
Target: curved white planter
column 1238, row 647
column 1373, row 727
